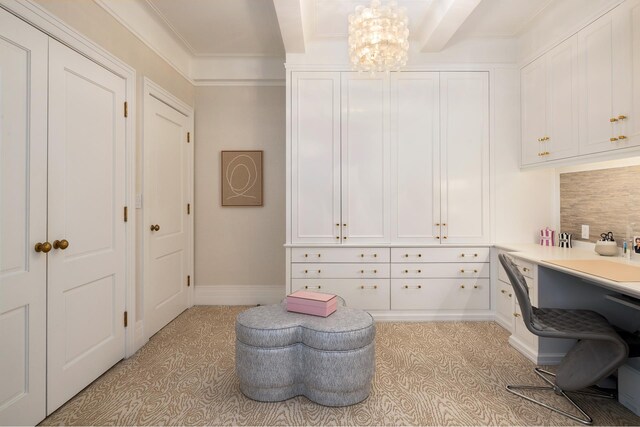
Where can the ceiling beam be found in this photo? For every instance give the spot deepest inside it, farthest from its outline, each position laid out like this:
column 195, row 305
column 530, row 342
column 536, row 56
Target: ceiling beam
column 291, row 21
column 443, row 20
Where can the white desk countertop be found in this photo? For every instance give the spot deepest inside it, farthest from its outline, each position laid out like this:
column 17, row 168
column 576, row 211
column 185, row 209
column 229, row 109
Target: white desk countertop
column 540, row 254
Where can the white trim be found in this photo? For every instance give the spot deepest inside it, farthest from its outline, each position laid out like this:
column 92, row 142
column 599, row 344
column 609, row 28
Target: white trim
column 249, row 82
column 239, row 294
column 40, row 18
column 140, row 339
column 426, row 316
column 439, row 66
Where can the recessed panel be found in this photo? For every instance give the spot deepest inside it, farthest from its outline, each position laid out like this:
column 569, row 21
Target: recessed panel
column 89, row 317
column 14, row 146
column 13, row 355
column 89, row 166
column 170, row 277
column 168, row 175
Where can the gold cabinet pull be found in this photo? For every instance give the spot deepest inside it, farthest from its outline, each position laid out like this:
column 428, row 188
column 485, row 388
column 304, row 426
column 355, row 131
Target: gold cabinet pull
column 461, row 286
column 543, row 139
column 444, row 224
column 475, row 286
column 43, row 247
column 344, row 225
column 622, row 137
column 509, row 295
column 369, row 287
column 361, row 271
column 415, row 287
column 516, row 315
column 544, row 153
column 338, row 237
column 613, row 139
column 419, row 271
column 406, row 271
column 375, row 271
column 306, row 271
column 622, row 117
column 155, row 227
column 503, row 291
column 319, row 271
column 437, row 224
column 313, row 287
column 444, row 237
column 437, row 237
column 60, row 244
column 344, row 238
column 613, row 119
column 337, row 225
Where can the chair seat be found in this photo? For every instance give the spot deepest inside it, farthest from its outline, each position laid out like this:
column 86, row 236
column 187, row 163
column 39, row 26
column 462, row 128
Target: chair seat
column 571, row 323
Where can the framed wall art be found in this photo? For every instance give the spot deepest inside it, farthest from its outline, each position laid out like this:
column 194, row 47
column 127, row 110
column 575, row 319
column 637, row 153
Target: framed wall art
column 241, row 178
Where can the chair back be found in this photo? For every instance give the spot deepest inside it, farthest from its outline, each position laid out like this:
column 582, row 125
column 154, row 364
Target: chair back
column 521, row 290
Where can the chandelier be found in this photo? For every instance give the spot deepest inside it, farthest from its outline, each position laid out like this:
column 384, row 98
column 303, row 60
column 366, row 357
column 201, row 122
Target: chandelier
column 378, row 37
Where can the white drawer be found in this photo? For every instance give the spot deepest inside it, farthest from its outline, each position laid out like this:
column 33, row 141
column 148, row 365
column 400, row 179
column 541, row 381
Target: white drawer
column 444, row 270
column 340, row 255
column 440, row 255
column 525, row 267
column 440, row 294
column 504, row 301
column 366, row 294
column 339, row 270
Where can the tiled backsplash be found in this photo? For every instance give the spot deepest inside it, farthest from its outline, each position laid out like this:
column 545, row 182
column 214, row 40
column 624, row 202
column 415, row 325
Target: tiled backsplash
column 606, row 200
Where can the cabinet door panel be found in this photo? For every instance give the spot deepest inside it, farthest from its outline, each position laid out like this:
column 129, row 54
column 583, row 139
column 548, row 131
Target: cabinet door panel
column 23, row 221
column 415, row 154
column 464, row 118
column 365, row 159
column 533, row 79
column 315, row 158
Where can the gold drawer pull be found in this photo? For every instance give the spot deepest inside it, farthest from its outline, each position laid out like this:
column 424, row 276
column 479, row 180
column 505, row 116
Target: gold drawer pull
column 622, row 117
column 337, row 225
column 516, row 315
column 613, row 119
column 319, row 271
column 463, row 271
column 437, row 237
column 462, row 286
column 613, row 139
column 415, row 287
column 405, row 271
column 544, row 153
column 475, row 286
column 622, row 137
column 308, row 255
column 509, row 295
column 503, row 291
column 369, row 287
column 313, row 287
column 419, row 271
column 525, row 269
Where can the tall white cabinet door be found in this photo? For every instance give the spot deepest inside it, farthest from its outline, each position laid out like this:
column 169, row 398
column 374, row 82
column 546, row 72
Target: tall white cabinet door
column 86, row 283
column 533, row 81
column 166, row 222
column 23, row 221
column 365, row 158
column 464, row 118
column 562, row 102
column 315, row 158
column 595, row 49
column 415, row 157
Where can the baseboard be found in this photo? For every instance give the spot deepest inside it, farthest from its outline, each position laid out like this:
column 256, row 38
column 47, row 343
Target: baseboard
column 425, row 316
column 139, row 338
column 239, row 294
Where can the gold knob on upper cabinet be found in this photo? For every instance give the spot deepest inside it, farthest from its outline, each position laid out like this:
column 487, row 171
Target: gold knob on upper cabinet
column 337, row 225
column 445, row 237
column 43, row 247
column 438, row 224
column 437, row 237
column 60, row 244
column 475, row 286
column 622, row 137
column 344, row 238
column 344, row 225
column 613, row 119
column 462, row 286
column 155, row 227
column 622, row 117
column 613, row 139
column 338, row 237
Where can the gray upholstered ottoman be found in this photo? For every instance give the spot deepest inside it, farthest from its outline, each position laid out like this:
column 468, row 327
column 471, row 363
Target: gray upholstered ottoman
column 280, row 355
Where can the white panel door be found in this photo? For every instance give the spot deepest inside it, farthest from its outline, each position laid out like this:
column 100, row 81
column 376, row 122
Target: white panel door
column 166, row 175
column 365, row 158
column 23, row 221
column 315, row 158
column 464, row 118
column 596, row 77
column 415, row 157
column 533, row 81
column 562, row 101
column 86, row 283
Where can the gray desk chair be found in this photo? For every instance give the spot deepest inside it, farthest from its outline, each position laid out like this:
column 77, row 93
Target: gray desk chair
column 597, row 354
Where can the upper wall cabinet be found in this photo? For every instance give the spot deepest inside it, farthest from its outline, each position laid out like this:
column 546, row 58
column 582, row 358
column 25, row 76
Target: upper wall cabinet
column 609, row 54
column 549, row 88
column 379, row 159
column 583, row 96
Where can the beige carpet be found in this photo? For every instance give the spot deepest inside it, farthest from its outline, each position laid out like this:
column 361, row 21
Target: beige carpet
column 436, row 373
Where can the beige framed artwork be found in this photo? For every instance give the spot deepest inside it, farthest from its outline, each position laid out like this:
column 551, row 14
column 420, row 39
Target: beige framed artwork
column 241, row 178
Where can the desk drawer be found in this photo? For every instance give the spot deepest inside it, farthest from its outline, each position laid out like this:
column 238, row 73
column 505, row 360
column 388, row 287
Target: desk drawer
column 339, row 270
column 444, row 270
column 525, row 267
column 405, row 255
column 440, row 294
column 353, row 255
column 366, row 294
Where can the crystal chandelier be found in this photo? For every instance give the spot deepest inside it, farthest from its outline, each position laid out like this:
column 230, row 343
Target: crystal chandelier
column 378, row 37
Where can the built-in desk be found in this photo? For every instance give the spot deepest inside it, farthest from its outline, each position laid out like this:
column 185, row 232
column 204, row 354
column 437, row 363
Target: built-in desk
column 558, row 286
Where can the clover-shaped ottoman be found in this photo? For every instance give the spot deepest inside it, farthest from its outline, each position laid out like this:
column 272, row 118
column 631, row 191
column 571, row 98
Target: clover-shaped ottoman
column 280, row 355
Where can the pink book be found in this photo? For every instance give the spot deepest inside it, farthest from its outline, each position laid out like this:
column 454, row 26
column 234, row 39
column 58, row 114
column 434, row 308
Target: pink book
column 313, row 303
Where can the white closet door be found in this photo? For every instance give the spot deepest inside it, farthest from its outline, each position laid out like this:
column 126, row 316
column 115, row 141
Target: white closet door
column 166, row 196
column 315, row 158
column 23, row 221
column 365, row 158
column 464, row 118
column 86, row 298
column 415, row 157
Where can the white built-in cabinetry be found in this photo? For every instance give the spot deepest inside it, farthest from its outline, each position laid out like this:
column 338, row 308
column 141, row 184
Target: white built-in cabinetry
column 390, row 160
column 583, row 96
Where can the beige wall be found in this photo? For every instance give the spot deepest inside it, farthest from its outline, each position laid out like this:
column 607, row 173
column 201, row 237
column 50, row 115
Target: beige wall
column 239, row 245
column 92, row 21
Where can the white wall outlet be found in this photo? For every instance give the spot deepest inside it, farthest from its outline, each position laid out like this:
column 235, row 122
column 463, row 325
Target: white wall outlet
column 585, row 231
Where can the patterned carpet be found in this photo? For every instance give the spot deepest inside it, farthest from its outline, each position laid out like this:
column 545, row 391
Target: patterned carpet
column 436, row 373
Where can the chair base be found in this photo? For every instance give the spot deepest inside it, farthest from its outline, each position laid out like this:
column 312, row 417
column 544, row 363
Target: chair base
column 586, row 419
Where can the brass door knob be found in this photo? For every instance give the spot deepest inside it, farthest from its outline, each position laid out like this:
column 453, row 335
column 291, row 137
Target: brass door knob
column 60, row 244
column 155, row 227
column 43, row 247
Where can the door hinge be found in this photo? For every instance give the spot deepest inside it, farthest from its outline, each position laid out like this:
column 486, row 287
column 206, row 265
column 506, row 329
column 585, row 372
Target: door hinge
column 126, row 109
column 126, row 214
column 188, row 136
column 188, row 281
column 188, row 208
column 126, row 320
